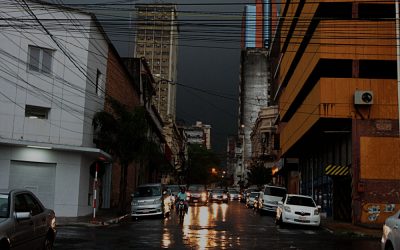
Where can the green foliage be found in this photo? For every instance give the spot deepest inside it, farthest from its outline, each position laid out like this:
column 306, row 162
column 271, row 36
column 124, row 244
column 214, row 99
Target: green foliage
column 124, row 134
column 259, row 175
column 201, row 161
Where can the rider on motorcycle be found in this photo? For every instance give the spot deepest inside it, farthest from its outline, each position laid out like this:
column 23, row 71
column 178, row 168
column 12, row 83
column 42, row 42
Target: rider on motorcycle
column 182, row 196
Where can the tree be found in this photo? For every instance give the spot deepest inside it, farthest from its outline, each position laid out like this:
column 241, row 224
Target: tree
column 201, row 161
column 259, row 175
column 123, row 134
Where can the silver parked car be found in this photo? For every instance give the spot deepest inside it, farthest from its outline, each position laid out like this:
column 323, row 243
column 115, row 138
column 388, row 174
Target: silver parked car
column 391, row 233
column 148, row 200
column 24, row 222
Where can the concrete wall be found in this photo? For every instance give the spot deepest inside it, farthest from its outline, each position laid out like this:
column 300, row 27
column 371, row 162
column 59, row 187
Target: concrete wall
column 71, row 180
column 65, row 91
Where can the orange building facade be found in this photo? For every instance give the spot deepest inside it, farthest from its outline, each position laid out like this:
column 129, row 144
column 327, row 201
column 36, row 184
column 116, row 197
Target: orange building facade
column 335, row 82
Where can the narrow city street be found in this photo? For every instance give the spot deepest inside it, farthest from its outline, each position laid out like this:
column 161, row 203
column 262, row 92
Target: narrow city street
column 216, row 226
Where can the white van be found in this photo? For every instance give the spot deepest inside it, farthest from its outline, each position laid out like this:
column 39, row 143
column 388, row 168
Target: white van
column 148, row 200
column 269, row 198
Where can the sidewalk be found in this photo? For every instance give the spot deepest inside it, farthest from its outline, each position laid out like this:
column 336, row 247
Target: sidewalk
column 104, row 217
column 346, row 228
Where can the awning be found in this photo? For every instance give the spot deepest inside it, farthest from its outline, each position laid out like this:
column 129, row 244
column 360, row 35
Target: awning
column 337, row 170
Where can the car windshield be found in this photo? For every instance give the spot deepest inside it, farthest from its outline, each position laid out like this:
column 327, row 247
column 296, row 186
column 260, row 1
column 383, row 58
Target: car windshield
column 196, row 188
column 3, row 206
column 218, row 191
column 300, row 201
column 147, row 191
column 174, row 189
column 274, row 191
column 253, row 195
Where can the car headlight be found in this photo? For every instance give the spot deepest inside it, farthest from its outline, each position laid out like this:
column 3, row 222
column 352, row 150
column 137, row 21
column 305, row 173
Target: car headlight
column 157, row 201
column 134, row 203
column 316, row 212
column 53, row 223
column 287, row 209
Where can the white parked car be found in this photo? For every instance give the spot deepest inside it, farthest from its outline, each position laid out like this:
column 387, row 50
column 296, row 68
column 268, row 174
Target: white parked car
column 298, row 209
column 391, row 233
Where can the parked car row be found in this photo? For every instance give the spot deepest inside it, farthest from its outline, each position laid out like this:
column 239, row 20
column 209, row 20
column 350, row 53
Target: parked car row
column 287, row 208
column 157, row 199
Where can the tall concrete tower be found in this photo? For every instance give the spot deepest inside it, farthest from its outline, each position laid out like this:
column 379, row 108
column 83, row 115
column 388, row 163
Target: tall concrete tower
column 157, row 41
column 254, row 76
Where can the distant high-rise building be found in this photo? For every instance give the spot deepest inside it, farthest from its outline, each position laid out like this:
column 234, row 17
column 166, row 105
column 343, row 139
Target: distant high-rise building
column 256, row 25
column 199, row 134
column 156, row 40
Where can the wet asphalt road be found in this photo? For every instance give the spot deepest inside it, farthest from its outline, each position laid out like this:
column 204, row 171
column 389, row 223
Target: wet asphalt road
column 216, row 226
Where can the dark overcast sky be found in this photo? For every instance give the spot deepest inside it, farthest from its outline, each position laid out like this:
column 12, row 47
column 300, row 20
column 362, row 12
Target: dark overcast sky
column 208, row 69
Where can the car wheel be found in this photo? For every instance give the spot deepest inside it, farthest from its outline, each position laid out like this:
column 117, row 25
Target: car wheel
column 48, row 242
column 4, row 244
column 389, row 246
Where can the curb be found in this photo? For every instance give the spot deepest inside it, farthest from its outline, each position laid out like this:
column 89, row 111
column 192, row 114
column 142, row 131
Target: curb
column 116, row 220
column 94, row 223
column 354, row 233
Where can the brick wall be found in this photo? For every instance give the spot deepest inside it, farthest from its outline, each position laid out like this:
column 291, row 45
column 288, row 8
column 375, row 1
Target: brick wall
column 121, row 87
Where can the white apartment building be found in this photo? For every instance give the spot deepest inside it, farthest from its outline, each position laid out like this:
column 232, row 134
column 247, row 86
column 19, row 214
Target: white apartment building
column 52, row 74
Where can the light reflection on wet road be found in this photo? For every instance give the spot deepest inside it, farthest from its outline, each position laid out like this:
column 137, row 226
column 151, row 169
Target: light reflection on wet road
column 216, row 226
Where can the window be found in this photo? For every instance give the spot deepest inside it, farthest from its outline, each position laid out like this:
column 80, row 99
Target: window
column 33, row 205
column 20, row 204
column 99, row 82
column 36, row 112
column 40, row 59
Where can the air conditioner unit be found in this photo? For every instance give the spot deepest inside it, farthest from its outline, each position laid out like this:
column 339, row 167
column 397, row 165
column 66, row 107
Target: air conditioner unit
column 363, row 97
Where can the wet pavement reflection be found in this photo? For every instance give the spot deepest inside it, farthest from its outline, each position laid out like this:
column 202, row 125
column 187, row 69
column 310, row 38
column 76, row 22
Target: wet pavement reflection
column 215, row 226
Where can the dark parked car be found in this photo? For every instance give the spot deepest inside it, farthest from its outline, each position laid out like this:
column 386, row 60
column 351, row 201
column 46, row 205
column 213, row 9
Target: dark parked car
column 24, row 222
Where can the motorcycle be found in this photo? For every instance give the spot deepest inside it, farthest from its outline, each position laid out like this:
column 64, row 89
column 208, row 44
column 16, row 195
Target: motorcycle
column 181, row 210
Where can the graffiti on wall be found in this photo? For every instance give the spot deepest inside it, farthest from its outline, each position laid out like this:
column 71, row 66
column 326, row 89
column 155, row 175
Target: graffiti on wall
column 377, row 213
